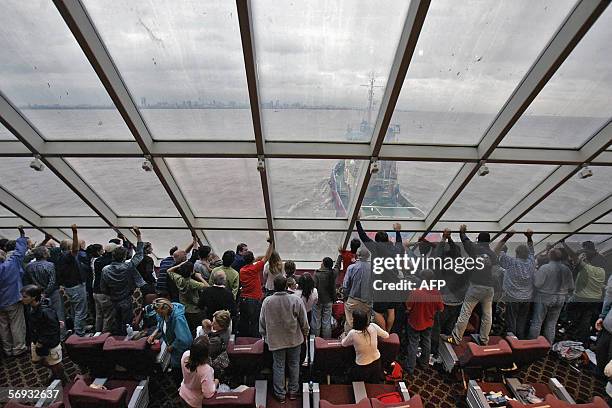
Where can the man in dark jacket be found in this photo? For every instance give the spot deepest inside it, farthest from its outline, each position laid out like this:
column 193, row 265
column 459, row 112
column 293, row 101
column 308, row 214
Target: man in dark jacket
column 119, row 280
column 325, row 282
column 105, row 314
column 44, row 332
column 217, row 297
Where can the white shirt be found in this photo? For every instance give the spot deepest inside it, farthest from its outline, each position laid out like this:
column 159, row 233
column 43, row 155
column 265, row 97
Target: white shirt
column 366, row 344
column 314, row 297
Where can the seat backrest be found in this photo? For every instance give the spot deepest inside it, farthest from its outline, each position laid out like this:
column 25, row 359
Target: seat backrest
column 81, row 395
column 364, row 403
column 389, row 349
column 494, row 355
column 414, row 402
column 528, row 351
column 330, row 356
column 244, row 399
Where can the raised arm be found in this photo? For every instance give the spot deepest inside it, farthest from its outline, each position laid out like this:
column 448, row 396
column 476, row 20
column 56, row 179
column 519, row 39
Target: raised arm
column 269, row 250
column 502, row 242
column 467, row 244
column 75, row 240
column 362, row 235
column 397, row 227
column 139, row 255
column 529, row 235
column 570, row 251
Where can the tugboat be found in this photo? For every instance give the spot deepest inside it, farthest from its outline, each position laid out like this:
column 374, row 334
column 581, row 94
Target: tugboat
column 383, row 198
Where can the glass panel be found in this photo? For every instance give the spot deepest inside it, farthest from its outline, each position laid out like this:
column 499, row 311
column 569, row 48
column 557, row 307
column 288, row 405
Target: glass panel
column 5, row 134
column 575, row 103
column 32, row 233
column 44, row 71
column 316, row 62
column 308, row 188
column 125, row 186
column 95, row 235
column 490, row 197
column 606, row 219
column 223, row 241
column 164, row 239
column 5, row 213
column 573, row 198
column 308, row 245
column 220, row 187
column 42, row 191
column 580, row 238
column 466, row 64
column 406, row 190
column 182, row 62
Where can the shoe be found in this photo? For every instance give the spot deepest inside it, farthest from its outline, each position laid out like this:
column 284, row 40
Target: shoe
column 279, row 398
column 448, row 339
column 292, row 396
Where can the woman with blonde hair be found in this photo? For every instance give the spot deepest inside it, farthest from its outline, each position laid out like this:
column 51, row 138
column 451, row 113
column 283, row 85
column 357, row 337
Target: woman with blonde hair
column 273, row 268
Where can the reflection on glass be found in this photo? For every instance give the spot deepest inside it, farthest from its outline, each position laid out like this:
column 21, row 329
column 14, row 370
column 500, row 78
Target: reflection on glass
column 42, row 191
column 315, row 61
column 306, row 188
column 220, row 187
column 45, row 73
column 575, row 103
column 223, row 241
column 182, row 62
column 308, row 245
column 490, row 197
column 125, row 186
column 406, row 190
column 467, row 62
column 573, row 198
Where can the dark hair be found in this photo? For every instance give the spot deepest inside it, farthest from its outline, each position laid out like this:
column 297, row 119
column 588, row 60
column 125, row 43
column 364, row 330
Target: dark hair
column 93, row 250
column 361, row 321
column 381, row 236
column 522, row 251
column 426, row 274
column 3, row 242
column 40, row 252
column 10, row 245
column 198, row 353
column 280, row 283
column 33, row 291
column 355, row 244
column 555, row 255
column 228, row 258
column 484, row 237
column 307, row 285
column 204, row 251
column 116, row 241
column 147, row 246
column 240, row 247
column 120, row 254
column 328, row 262
column 289, row 268
column 173, row 250
column 185, row 270
column 249, row 258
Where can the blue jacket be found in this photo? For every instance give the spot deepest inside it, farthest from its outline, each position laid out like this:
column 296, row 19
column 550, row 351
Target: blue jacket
column 11, row 275
column 177, row 333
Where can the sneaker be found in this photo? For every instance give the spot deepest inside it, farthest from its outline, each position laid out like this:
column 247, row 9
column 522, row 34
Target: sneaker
column 279, row 398
column 448, row 339
column 292, row 396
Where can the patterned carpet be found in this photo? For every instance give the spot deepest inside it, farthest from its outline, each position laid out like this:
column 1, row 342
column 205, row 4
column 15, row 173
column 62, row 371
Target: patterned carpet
column 437, row 389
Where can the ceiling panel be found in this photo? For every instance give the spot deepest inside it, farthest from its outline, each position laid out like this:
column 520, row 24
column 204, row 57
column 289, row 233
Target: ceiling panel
column 183, row 64
column 406, row 190
column 125, row 186
column 573, row 198
column 305, row 188
column 575, row 103
column 44, row 72
column 467, row 62
column 42, row 191
column 490, row 197
column 5, row 134
column 314, row 64
column 606, row 218
column 220, row 187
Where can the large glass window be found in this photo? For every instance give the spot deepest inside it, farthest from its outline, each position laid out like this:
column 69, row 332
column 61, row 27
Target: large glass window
column 182, row 62
column 42, row 191
column 468, row 60
column 32, row 233
column 308, row 245
column 573, row 198
column 312, row 188
column 220, row 187
column 5, row 134
column 162, row 240
column 224, row 240
column 490, row 197
column 316, row 61
column 125, row 186
column 44, row 72
column 575, row 103
column 406, row 190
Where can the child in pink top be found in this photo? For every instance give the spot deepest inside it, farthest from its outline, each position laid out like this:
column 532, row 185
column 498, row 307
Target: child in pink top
column 198, row 377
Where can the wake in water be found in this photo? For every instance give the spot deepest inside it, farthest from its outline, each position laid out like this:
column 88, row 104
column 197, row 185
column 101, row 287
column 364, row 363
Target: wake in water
column 317, row 202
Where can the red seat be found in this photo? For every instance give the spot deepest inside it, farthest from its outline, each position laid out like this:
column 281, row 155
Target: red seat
column 492, row 355
column 364, row 403
column 244, row 399
column 246, row 354
column 553, row 402
column 82, row 395
column 331, row 358
column 134, row 355
column 87, row 352
column 414, row 402
column 14, row 404
column 528, row 351
column 389, row 349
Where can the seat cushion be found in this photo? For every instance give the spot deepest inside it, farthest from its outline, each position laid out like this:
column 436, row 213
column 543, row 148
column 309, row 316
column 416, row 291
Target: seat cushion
column 528, row 351
column 495, row 355
column 246, row 346
column 114, row 343
column 87, row 342
column 81, row 395
column 364, row 403
column 244, row 399
column 414, row 402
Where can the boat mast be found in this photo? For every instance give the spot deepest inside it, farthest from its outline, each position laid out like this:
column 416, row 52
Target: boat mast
column 371, row 87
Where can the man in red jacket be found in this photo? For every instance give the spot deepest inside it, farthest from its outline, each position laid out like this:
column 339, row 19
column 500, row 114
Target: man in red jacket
column 422, row 306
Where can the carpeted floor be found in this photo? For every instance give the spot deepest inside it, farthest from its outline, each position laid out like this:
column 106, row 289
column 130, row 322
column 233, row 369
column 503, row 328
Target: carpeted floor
column 438, row 390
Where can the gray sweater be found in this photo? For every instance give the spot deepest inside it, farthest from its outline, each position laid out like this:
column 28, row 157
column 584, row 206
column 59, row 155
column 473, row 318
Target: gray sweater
column 553, row 282
column 282, row 321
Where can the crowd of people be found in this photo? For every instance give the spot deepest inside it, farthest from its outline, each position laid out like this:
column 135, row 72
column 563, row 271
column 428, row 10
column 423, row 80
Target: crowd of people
column 48, row 292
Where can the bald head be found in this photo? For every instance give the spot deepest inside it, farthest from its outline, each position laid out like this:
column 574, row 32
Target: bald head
column 179, row 256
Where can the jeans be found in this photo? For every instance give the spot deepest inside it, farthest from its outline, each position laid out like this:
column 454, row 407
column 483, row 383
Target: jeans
column 416, row 338
column 517, row 315
column 476, row 294
column 249, row 317
column 603, row 351
column 57, row 303
column 545, row 316
column 13, row 329
column 580, row 312
column 124, row 315
column 292, row 357
column 321, row 319
column 78, row 300
column 444, row 322
column 105, row 313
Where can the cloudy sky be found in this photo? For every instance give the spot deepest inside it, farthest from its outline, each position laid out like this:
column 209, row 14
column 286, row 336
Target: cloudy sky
column 468, row 58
